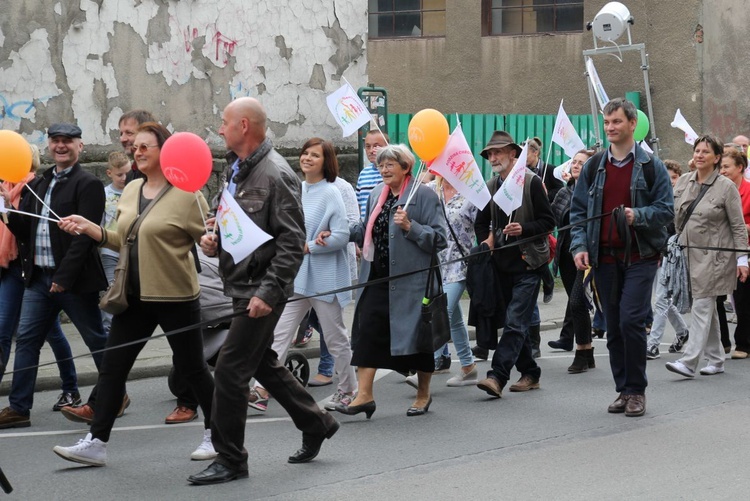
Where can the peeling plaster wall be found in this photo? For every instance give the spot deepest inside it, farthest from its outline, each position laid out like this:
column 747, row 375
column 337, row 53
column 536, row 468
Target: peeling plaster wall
column 88, row 61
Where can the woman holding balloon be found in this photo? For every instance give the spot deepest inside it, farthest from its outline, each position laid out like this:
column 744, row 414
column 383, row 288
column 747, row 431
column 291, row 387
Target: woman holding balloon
column 395, row 238
column 162, row 290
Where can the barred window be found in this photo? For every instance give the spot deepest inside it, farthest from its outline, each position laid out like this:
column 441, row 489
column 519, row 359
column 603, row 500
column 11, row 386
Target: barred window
column 406, row 18
column 515, row 17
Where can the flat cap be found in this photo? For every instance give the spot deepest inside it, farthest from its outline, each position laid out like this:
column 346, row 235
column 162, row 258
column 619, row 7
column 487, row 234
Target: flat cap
column 63, row 129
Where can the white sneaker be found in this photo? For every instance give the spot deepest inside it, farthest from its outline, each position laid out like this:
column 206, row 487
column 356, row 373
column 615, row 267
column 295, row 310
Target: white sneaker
column 90, row 451
column 680, row 368
column 464, row 378
column 711, row 370
column 205, row 450
column 340, row 397
column 413, row 381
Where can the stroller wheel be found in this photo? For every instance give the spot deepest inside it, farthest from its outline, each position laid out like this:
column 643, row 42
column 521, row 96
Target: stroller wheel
column 299, row 367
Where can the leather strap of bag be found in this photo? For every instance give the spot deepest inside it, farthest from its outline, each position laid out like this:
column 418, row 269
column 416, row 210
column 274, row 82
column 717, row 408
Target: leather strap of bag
column 433, row 274
column 692, row 206
column 450, row 228
column 137, row 223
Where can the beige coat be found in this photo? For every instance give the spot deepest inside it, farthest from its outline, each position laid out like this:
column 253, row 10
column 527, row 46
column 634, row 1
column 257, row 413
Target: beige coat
column 716, row 222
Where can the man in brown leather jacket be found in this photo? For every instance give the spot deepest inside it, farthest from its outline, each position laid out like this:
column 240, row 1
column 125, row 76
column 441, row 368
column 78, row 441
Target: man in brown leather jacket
column 268, row 191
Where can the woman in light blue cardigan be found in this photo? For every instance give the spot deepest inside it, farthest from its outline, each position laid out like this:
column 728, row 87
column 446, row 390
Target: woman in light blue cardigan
column 324, row 268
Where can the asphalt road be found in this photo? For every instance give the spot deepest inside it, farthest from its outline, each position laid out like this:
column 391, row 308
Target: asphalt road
column 554, row 443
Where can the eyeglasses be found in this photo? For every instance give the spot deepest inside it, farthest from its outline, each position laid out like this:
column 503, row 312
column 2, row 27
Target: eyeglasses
column 388, row 166
column 144, row 147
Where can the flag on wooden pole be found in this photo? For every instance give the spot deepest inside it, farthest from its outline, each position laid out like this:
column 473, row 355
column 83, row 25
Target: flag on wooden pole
column 348, row 109
column 510, row 194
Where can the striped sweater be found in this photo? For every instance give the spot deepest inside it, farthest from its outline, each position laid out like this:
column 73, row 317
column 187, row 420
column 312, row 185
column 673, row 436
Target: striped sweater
column 326, row 267
column 368, row 179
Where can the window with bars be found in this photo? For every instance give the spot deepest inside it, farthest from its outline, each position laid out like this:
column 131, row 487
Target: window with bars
column 515, row 17
column 406, row 18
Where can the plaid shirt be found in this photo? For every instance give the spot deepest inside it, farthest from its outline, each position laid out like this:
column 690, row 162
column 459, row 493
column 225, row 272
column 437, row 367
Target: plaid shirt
column 43, row 246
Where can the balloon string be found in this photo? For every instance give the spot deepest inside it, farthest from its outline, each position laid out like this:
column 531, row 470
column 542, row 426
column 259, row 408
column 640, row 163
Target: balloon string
column 42, row 201
column 203, row 215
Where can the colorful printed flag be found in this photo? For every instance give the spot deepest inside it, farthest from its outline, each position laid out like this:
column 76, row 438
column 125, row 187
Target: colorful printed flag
column 596, row 83
column 565, row 134
column 348, row 109
column 509, row 195
column 240, row 236
column 457, row 165
column 679, row 122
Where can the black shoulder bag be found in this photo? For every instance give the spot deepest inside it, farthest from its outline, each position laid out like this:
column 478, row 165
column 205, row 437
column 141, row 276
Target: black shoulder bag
column 434, row 325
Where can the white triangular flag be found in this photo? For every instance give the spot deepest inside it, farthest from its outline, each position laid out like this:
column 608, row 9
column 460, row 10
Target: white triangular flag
column 565, row 135
column 596, row 83
column 679, row 122
column 240, row 236
column 510, row 194
column 348, row 109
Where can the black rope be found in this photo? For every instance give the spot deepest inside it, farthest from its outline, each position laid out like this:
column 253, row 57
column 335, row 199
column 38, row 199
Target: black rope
column 226, row 318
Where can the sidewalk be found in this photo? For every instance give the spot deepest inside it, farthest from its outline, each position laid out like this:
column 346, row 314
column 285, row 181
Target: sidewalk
column 156, row 358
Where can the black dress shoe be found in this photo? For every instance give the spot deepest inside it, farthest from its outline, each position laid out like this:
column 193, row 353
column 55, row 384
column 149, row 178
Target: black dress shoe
column 561, row 344
column 311, row 445
column 418, row 411
column 351, row 410
column 216, row 474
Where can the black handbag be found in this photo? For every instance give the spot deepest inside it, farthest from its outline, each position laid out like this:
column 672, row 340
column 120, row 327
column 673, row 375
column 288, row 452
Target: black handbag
column 434, row 324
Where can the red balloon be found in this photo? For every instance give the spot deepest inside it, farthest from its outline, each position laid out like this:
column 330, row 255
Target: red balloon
column 186, row 161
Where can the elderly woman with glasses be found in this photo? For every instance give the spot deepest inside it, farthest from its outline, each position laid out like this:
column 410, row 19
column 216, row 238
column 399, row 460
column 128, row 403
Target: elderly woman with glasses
column 395, row 239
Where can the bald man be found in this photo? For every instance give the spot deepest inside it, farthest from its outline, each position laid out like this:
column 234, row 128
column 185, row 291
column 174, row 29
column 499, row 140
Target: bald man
column 269, row 192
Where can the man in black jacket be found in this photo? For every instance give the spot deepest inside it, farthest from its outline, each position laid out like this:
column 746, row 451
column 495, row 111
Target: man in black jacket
column 269, row 192
column 61, row 271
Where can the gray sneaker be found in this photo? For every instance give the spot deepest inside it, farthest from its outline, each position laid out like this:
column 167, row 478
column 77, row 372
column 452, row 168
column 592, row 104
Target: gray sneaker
column 652, row 352
column 340, row 397
column 679, row 342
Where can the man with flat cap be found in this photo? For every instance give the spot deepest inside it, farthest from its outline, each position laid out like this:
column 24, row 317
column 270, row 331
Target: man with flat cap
column 518, row 267
column 61, row 271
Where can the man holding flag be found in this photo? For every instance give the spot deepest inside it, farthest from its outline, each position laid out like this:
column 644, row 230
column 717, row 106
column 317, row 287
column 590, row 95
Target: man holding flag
column 268, row 194
column 525, row 213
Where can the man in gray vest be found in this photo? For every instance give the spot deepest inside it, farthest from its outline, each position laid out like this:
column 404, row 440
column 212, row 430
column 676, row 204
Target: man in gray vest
column 518, row 267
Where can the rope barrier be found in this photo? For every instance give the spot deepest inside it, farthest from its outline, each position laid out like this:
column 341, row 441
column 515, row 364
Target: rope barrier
column 229, row 317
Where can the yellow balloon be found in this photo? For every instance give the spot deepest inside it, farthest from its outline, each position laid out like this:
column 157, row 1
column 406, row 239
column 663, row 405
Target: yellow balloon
column 428, row 134
column 15, row 156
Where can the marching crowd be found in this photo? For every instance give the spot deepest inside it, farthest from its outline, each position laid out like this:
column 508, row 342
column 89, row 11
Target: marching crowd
column 627, row 221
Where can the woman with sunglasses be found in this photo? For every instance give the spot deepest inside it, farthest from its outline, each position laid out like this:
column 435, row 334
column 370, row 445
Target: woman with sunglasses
column 162, row 291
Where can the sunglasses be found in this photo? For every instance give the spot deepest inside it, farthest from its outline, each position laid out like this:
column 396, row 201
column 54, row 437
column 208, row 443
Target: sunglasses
column 143, row 148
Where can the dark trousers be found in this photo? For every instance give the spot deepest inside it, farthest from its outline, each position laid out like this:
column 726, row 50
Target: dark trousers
column 520, row 291
column 742, row 310
column 247, row 353
column 625, row 293
column 138, row 323
column 577, row 317
column 723, row 324
column 548, row 280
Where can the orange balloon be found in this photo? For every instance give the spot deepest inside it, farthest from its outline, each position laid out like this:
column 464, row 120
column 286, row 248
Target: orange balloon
column 428, row 134
column 15, row 156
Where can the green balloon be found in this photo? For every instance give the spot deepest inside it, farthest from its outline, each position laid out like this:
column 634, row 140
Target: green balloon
column 641, row 128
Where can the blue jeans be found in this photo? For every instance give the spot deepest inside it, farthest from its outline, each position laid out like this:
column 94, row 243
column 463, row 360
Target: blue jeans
column 39, row 310
column 459, row 334
column 599, row 322
column 625, row 293
column 520, row 291
column 325, row 366
column 664, row 310
column 11, row 296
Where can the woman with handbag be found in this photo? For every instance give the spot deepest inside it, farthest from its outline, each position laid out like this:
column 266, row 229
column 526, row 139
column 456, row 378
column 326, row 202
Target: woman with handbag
column 157, row 228
column 325, row 267
column 459, row 216
column 708, row 213
column 388, row 313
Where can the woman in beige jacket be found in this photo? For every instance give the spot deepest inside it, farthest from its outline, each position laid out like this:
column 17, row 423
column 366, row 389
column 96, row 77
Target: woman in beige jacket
column 716, row 221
